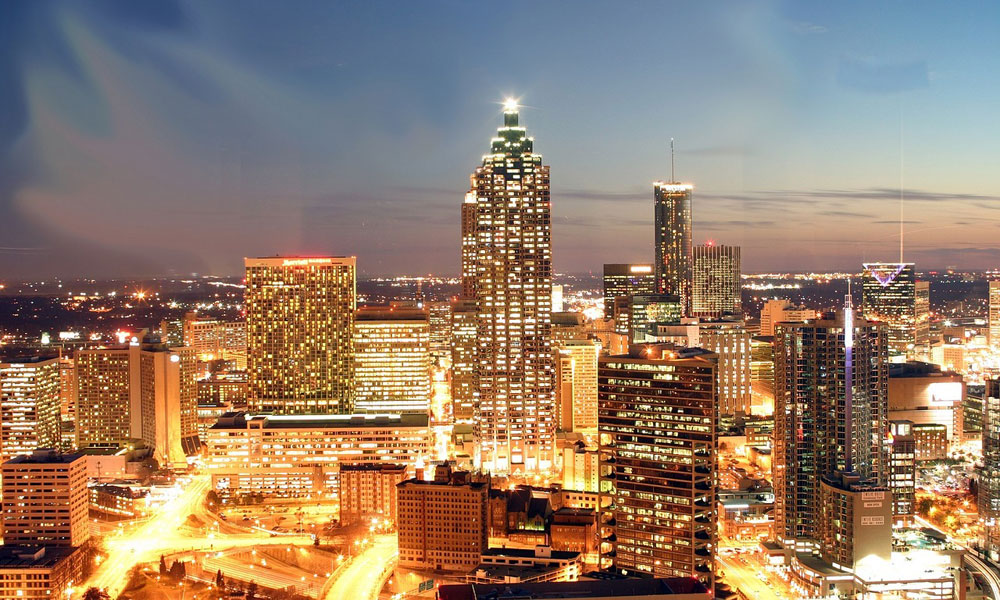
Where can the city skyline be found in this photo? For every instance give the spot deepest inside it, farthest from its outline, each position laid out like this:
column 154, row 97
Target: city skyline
column 227, row 136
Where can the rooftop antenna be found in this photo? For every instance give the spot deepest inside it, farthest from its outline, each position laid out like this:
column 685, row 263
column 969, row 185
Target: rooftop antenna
column 900, row 183
column 672, row 178
column 848, row 380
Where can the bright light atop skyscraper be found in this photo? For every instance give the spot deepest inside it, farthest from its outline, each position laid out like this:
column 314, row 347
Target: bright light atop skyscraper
column 510, row 105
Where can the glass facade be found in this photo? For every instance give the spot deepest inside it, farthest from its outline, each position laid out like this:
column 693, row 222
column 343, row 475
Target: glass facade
column 673, row 240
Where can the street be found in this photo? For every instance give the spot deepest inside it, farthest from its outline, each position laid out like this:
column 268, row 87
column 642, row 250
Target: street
column 359, row 580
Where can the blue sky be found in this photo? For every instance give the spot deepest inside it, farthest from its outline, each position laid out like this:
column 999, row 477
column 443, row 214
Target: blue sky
column 143, row 138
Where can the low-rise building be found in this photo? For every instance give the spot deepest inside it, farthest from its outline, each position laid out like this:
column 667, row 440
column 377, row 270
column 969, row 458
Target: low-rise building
column 42, row 572
column 574, row 530
column 930, row 441
column 301, row 455
column 117, row 502
column 673, row 588
column 45, row 499
column 522, row 565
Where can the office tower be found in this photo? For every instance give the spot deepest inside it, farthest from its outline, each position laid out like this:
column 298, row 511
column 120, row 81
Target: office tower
column 627, row 280
column 45, row 499
column 782, row 311
column 439, row 315
column 104, row 405
column 369, row 491
column 470, row 241
column 581, row 468
column 168, row 402
column 568, row 326
column 513, row 290
column 392, row 361
column 989, row 475
column 442, row 524
column 301, row 455
column 855, row 521
column 715, row 281
column 39, row 573
column 762, row 372
column 463, row 359
column 673, row 240
column 657, row 433
column 29, row 405
column 211, row 339
column 730, row 341
column 67, row 388
column 644, row 313
column 821, row 425
column 902, row 471
column 994, row 311
column 300, row 319
column 576, row 384
column 892, row 294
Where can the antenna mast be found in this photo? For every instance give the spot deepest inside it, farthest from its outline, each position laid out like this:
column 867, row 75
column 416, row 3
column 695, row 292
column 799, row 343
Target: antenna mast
column 672, row 178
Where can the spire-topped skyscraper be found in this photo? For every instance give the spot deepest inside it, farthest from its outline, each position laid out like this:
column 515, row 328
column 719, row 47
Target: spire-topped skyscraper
column 507, row 270
column 674, row 246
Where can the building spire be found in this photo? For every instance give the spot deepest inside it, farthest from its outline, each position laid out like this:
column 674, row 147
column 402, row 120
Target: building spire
column 672, row 178
column 510, row 112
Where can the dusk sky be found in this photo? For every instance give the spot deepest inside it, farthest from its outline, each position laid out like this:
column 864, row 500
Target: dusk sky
column 150, row 138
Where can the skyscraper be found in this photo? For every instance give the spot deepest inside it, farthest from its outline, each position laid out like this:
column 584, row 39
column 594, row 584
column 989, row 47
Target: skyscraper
column 392, row 361
column 781, row 310
column 989, row 475
column 167, row 401
column 673, row 239
column 730, row 340
column 45, row 499
column 656, row 427
column 994, row 311
column 821, row 425
column 626, row 280
column 892, row 294
column 29, row 405
column 300, row 319
column 512, row 286
column 104, row 397
column 576, row 384
column 716, row 285
column 463, row 360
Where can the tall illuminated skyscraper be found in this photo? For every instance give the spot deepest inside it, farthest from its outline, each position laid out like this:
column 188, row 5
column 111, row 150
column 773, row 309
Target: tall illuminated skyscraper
column 300, row 321
column 392, row 361
column 813, row 434
column 29, row 405
column 892, row 294
column 673, row 239
column 512, row 286
column 715, row 285
column 626, row 280
column 104, row 397
column 994, row 312
column 463, row 359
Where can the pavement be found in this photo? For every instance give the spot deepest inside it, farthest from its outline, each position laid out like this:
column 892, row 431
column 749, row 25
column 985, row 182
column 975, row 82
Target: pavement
column 744, row 578
column 360, row 580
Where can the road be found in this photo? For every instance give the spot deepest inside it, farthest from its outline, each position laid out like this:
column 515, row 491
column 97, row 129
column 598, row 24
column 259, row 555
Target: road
column 744, row 578
column 359, row 580
column 991, row 577
column 275, row 575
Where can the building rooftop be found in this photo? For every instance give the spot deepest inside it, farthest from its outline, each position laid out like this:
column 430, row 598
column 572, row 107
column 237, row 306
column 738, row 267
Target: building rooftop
column 33, row 557
column 372, row 467
column 612, row 588
column 918, row 369
column 475, row 485
column 531, row 553
column 240, row 420
column 45, row 456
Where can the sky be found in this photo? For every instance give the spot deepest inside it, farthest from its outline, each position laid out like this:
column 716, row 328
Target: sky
column 142, row 138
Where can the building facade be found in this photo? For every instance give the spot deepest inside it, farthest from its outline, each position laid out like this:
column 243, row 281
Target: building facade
column 45, row 499
column 464, row 327
column 392, row 360
column 576, row 384
column 657, row 444
column 368, row 491
column 673, row 240
column 993, row 300
column 512, row 285
column 782, row 311
column 892, row 294
column 168, row 402
column 716, row 287
column 442, row 524
column 299, row 322
column 104, row 404
column 627, row 280
column 902, row 471
column 30, row 403
column 730, row 340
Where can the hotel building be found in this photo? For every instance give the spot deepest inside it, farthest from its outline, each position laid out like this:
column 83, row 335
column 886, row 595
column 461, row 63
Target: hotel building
column 392, row 361
column 715, row 285
column 299, row 322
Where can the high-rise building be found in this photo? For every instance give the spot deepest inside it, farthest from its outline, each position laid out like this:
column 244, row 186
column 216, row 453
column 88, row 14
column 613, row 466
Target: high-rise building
column 657, row 443
column 673, row 240
column 392, row 361
column 104, row 402
column 994, row 311
column 644, row 313
column 576, row 384
column 902, row 471
column 369, row 491
column 168, row 402
column 512, row 285
column 67, row 388
column 463, row 359
column 730, row 341
column 782, row 311
column 892, row 294
column 29, row 405
column 715, row 281
column 627, row 280
column 823, row 426
column 989, row 475
column 45, row 499
column 39, row 573
column 855, row 521
column 762, row 372
column 211, row 339
column 439, row 316
column 300, row 319
column 470, row 241
column 442, row 525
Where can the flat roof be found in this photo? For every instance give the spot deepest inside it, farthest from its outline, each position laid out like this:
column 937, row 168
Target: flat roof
column 33, row 557
column 45, row 457
column 574, row 589
column 239, row 420
column 530, row 553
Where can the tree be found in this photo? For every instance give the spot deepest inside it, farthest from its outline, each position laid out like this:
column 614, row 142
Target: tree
column 220, row 581
column 212, row 498
column 177, row 570
column 251, row 590
column 163, row 566
column 94, row 593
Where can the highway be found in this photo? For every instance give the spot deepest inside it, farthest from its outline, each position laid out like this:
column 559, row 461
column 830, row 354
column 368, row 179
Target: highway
column 991, row 577
column 744, row 578
column 360, row 580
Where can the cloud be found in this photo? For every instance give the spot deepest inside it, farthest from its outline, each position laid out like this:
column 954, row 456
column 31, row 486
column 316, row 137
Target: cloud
column 868, row 76
column 807, row 28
